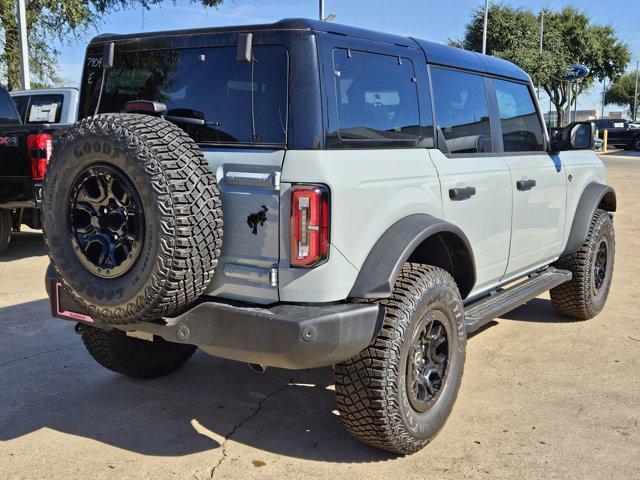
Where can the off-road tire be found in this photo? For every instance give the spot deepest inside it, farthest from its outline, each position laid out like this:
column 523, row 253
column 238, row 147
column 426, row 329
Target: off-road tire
column 135, row 357
column 182, row 216
column 5, row 229
column 576, row 298
column 371, row 387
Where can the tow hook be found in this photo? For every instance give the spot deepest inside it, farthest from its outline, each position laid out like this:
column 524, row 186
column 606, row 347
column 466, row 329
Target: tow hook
column 80, row 328
column 256, row 367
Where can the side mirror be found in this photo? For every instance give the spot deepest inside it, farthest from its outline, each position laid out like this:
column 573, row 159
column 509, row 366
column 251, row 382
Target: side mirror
column 575, row 136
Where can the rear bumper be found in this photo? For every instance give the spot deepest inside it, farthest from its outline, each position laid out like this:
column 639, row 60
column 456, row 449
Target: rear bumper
column 286, row 335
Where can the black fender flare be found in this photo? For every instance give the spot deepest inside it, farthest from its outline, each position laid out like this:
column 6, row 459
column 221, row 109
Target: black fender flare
column 592, row 197
column 382, row 266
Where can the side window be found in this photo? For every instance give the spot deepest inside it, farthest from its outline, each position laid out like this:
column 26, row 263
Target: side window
column 521, row 127
column 462, row 111
column 8, row 113
column 377, row 97
column 45, row 109
column 21, row 102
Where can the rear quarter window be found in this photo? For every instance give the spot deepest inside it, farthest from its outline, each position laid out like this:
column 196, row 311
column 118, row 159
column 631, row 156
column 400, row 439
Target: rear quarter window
column 377, row 98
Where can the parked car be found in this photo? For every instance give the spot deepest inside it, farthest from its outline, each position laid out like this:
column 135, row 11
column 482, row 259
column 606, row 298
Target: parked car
column 25, row 149
column 52, row 106
column 382, row 198
column 621, row 134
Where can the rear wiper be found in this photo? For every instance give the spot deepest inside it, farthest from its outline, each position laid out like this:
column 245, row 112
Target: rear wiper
column 188, row 116
column 191, row 121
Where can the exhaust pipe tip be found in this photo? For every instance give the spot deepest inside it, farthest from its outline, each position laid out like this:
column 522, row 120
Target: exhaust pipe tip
column 80, row 328
column 256, row 367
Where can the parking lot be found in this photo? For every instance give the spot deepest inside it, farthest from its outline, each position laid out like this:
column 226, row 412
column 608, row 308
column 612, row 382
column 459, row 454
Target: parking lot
column 542, row 396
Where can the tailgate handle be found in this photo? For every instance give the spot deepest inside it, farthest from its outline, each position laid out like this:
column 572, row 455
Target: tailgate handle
column 252, row 179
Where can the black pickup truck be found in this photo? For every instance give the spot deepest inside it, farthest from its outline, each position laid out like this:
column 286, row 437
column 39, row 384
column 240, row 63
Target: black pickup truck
column 25, row 150
column 620, row 133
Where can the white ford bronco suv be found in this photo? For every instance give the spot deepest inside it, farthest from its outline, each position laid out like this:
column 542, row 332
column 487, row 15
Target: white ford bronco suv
column 305, row 194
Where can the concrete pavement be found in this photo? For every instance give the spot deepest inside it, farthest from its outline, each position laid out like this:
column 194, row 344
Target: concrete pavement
column 542, row 396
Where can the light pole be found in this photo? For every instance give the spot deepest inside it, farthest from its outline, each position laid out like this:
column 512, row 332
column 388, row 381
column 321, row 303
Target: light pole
column 24, row 46
column 604, row 93
column 541, row 37
column 635, row 96
column 321, row 10
column 484, row 30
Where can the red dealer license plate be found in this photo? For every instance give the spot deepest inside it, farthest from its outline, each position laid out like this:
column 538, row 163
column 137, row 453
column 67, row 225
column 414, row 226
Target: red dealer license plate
column 63, row 306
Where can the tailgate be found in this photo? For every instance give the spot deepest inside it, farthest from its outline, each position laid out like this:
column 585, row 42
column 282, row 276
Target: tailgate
column 249, row 189
column 15, row 168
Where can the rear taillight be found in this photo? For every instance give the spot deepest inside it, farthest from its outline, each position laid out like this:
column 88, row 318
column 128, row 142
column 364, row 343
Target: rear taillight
column 309, row 225
column 40, row 150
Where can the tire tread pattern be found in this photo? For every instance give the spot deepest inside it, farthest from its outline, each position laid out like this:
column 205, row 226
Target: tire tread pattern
column 134, row 357
column 366, row 385
column 5, row 229
column 574, row 298
column 188, row 204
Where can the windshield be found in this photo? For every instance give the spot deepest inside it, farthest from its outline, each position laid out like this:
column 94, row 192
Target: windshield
column 239, row 102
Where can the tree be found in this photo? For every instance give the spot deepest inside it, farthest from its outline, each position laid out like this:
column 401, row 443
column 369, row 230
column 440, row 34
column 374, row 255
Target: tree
column 570, row 38
column 51, row 23
column 622, row 91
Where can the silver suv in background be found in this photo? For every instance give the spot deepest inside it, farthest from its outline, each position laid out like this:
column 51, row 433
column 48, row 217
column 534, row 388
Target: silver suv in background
column 52, row 106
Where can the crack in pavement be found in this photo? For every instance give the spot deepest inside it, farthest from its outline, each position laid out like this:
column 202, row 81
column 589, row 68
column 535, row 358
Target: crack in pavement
column 236, row 427
column 15, row 360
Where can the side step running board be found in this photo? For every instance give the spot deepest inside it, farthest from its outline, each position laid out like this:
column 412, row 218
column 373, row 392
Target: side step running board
column 483, row 311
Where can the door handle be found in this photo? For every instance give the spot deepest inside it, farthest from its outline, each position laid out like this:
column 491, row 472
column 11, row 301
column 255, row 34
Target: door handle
column 463, row 193
column 524, row 185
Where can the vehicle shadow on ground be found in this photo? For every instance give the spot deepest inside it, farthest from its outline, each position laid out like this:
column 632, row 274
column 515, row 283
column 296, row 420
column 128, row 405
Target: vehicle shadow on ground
column 538, row 310
column 23, row 245
column 48, row 381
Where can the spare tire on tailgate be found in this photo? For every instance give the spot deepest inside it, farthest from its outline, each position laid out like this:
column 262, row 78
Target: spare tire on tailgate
column 132, row 217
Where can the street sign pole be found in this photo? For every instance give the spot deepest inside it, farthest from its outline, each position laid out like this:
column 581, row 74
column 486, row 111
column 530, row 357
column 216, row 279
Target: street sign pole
column 484, row 30
column 604, row 92
column 635, row 95
column 24, row 46
column 575, row 101
column 568, row 120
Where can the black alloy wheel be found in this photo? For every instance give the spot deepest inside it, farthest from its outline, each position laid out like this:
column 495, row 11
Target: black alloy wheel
column 428, row 361
column 106, row 221
column 600, row 266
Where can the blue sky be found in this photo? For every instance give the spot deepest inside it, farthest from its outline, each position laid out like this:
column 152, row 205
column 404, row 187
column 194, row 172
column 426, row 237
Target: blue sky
column 435, row 20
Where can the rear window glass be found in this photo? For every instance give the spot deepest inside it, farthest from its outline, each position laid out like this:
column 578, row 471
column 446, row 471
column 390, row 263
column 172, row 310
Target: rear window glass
column 8, row 114
column 239, row 102
column 377, row 97
column 44, row 109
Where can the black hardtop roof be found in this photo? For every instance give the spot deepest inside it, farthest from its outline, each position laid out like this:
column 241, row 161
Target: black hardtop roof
column 435, row 52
